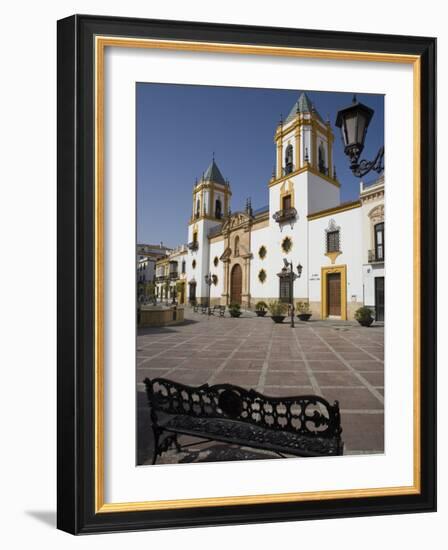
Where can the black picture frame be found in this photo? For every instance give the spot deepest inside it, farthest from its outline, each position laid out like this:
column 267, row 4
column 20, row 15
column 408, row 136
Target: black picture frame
column 76, row 275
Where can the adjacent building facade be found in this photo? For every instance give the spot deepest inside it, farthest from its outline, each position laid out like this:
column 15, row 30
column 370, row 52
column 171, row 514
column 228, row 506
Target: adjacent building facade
column 339, row 246
column 171, row 276
column 147, row 256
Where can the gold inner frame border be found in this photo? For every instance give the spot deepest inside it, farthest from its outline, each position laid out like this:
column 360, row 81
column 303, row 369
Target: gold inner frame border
column 101, row 42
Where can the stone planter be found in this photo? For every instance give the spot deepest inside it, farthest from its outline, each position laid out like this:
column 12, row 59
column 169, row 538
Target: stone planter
column 304, row 316
column 260, row 312
column 278, row 318
column 159, row 316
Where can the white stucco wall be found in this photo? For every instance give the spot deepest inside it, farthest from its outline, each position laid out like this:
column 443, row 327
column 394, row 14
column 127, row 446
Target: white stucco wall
column 216, row 251
column 321, row 194
column 370, row 271
column 351, row 240
column 202, row 256
column 260, row 238
column 296, row 231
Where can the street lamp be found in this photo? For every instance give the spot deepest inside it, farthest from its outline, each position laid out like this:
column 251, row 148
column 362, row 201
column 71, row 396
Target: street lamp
column 353, row 122
column 209, row 281
column 292, row 278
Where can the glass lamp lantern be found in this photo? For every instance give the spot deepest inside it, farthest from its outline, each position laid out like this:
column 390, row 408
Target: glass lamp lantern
column 353, row 122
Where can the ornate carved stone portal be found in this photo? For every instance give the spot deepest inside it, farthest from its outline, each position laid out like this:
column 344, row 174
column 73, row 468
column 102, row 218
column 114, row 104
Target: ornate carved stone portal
column 237, row 252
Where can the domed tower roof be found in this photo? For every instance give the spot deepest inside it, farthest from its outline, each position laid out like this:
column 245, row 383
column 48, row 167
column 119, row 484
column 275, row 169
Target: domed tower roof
column 213, row 174
column 302, row 105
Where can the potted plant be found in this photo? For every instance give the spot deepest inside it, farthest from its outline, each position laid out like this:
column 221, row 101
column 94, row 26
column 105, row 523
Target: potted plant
column 235, row 310
column 260, row 308
column 304, row 312
column 278, row 311
column 364, row 316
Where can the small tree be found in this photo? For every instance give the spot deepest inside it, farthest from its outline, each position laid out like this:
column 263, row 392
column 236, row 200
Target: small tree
column 303, row 307
column 364, row 316
column 277, row 308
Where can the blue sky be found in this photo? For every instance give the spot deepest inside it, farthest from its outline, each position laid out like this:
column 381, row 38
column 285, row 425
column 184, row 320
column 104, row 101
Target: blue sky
column 179, row 127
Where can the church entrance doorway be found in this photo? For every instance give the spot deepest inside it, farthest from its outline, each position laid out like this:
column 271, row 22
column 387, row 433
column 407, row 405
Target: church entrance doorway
column 236, row 284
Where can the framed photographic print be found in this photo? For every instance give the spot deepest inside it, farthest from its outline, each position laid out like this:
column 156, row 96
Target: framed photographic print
column 246, row 274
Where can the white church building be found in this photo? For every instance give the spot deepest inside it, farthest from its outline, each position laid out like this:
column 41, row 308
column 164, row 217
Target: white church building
column 339, row 246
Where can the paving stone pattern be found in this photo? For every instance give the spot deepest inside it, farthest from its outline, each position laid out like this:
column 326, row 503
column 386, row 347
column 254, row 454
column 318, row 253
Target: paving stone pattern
column 338, row 360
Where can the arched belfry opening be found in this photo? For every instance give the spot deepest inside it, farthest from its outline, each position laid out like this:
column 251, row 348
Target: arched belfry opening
column 218, row 209
column 288, row 160
column 322, row 161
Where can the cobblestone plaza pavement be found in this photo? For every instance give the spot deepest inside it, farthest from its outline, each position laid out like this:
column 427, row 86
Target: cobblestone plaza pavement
column 335, row 359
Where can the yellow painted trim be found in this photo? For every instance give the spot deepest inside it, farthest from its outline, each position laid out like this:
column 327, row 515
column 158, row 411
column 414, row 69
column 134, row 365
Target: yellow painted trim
column 203, row 217
column 279, row 158
column 305, row 168
column 334, row 210
column 333, row 255
column 208, row 184
column 417, row 273
column 324, row 177
column 342, row 269
column 330, row 139
column 298, row 154
column 100, row 43
column 99, row 276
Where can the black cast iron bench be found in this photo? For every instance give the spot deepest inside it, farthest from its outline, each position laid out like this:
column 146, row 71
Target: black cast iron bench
column 305, row 425
column 220, row 309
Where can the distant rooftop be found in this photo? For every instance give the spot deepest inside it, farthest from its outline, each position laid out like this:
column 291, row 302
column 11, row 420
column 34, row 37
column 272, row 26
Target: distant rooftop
column 377, row 181
column 160, row 246
column 213, row 231
column 261, row 210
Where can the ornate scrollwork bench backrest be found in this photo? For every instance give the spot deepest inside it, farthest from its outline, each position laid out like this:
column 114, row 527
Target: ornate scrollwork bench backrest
column 305, row 414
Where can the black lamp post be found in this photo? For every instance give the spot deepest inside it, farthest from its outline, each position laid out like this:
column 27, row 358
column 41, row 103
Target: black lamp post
column 292, row 278
column 353, row 122
column 208, row 282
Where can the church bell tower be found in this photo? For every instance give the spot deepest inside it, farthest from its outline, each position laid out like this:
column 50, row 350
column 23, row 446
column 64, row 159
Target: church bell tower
column 211, row 205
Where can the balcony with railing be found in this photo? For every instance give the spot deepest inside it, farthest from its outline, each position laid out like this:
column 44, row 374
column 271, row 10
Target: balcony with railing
column 285, row 215
column 194, row 245
column 376, row 256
